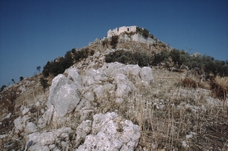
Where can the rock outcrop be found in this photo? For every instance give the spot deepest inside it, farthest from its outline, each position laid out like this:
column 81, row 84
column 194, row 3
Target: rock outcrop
column 110, row 132
column 79, row 91
column 77, row 95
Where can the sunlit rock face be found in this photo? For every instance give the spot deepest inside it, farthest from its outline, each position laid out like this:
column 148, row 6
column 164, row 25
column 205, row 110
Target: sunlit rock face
column 73, row 90
column 111, row 132
column 64, row 95
column 75, row 98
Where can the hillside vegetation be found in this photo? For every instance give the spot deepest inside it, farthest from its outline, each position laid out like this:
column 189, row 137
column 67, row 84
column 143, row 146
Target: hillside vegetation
column 133, row 95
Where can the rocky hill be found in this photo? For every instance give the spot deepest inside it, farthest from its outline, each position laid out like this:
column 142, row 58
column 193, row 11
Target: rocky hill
column 95, row 104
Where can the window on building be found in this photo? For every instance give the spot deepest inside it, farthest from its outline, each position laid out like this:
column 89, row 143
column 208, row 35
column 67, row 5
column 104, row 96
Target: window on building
column 127, row 29
column 117, row 29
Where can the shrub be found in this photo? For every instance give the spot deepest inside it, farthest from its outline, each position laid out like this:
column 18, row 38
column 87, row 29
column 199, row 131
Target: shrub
column 46, row 69
column 114, row 41
column 44, row 83
column 175, row 55
column 189, row 82
column 160, row 57
column 83, row 53
column 127, row 57
column 8, row 99
column 21, row 78
column 219, row 86
column 2, row 88
column 144, row 32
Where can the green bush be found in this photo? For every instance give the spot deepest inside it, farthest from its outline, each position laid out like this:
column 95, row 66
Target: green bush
column 2, row 88
column 160, row 57
column 144, row 32
column 21, row 78
column 127, row 57
column 44, row 83
column 62, row 63
column 83, row 53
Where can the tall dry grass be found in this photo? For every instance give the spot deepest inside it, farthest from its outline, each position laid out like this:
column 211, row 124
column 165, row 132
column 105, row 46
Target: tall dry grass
column 219, row 88
column 171, row 120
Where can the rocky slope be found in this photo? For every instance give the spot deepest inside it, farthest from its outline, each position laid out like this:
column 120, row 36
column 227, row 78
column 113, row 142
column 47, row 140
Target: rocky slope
column 95, row 105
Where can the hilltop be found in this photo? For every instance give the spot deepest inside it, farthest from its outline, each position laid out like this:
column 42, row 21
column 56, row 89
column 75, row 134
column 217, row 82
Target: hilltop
column 119, row 93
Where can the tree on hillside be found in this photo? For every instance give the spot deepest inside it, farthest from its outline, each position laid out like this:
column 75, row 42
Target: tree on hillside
column 46, row 69
column 38, row 68
column 13, row 80
column 44, row 83
column 21, row 78
column 2, row 88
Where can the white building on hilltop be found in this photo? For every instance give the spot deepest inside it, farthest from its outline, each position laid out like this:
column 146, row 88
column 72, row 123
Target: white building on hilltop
column 120, row 30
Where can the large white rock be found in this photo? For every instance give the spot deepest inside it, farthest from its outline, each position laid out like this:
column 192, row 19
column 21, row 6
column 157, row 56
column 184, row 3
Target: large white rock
column 37, row 147
column 111, row 132
column 44, row 139
column 82, row 130
column 114, row 68
column 89, row 96
column 99, row 91
column 73, row 73
column 46, row 117
column 124, row 87
column 146, row 75
column 134, row 71
column 64, row 95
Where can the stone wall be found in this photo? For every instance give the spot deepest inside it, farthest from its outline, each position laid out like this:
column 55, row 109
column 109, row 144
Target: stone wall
column 120, row 30
column 140, row 38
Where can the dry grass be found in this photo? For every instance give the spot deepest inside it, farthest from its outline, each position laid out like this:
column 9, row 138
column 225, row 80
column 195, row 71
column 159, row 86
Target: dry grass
column 222, row 81
column 174, row 118
column 219, row 87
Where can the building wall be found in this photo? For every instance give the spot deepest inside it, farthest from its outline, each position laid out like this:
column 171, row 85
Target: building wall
column 140, row 38
column 120, row 30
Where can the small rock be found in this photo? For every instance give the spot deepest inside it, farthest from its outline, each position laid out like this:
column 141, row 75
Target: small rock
column 24, row 110
column 30, row 128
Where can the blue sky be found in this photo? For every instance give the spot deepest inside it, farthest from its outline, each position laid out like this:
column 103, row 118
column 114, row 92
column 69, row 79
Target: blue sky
column 33, row 32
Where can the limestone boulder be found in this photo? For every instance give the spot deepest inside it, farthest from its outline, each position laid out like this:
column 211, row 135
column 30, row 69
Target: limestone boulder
column 64, row 95
column 146, row 75
column 111, row 132
column 124, row 87
column 47, row 140
column 82, row 131
column 20, row 123
column 74, row 74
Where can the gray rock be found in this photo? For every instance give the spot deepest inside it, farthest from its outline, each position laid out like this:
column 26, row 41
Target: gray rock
column 64, row 95
column 82, row 130
column 44, row 139
column 111, row 132
column 74, row 74
column 30, row 128
column 20, row 123
column 24, row 110
column 37, row 147
column 124, row 87
column 146, row 75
